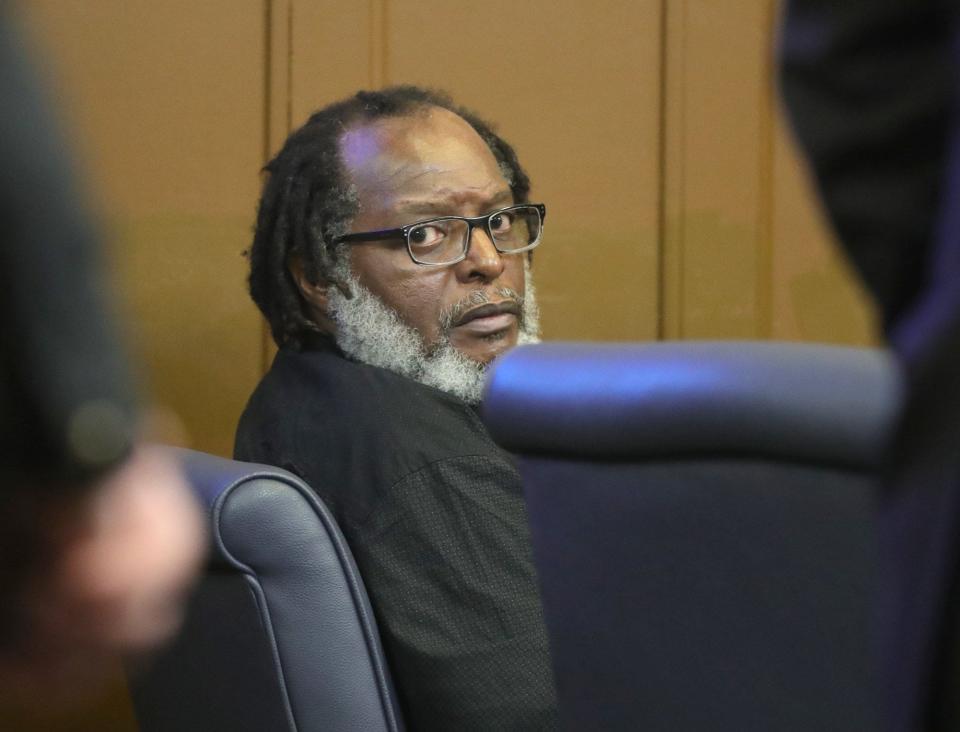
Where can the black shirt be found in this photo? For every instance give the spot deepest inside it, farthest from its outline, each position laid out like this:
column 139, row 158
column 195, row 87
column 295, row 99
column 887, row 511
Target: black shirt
column 432, row 510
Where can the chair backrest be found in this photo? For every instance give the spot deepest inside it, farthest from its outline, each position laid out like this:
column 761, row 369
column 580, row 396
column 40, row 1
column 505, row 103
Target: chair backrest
column 279, row 634
column 702, row 516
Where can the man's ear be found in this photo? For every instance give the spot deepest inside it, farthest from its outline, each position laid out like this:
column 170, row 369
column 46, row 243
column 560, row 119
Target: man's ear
column 314, row 292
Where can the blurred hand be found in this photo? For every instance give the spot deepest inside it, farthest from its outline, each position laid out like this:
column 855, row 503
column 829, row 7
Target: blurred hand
column 123, row 558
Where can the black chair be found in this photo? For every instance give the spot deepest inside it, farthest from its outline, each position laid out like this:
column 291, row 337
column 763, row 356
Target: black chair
column 702, row 516
column 279, row 634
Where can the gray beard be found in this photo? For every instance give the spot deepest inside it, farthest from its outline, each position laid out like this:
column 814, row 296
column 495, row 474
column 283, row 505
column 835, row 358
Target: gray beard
column 371, row 332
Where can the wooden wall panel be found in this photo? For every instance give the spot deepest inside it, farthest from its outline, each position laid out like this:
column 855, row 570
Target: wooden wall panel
column 320, row 51
column 574, row 86
column 165, row 102
column 331, row 52
column 716, row 192
column 816, row 296
column 678, row 205
column 746, row 251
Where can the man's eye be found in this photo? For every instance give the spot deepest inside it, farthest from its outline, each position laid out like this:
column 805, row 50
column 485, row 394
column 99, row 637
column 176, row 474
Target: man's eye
column 501, row 223
column 426, row 236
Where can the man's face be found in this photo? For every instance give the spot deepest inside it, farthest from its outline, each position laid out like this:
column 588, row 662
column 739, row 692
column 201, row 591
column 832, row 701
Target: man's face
column 430, row 164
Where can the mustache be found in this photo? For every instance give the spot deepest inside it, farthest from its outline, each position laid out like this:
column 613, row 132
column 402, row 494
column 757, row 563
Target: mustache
column 452, row 314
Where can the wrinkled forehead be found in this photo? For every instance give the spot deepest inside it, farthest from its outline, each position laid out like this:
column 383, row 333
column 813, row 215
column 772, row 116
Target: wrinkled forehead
column 430, row 149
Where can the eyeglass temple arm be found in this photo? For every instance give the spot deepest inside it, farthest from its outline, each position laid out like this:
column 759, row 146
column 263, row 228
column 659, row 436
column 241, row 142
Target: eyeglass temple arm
column 371, row 236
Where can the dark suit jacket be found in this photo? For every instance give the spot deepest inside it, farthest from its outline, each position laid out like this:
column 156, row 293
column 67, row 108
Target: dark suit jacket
column 872, row 89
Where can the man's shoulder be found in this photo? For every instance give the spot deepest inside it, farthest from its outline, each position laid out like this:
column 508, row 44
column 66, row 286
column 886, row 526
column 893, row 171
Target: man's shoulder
column 329, row 385
column 337, row 422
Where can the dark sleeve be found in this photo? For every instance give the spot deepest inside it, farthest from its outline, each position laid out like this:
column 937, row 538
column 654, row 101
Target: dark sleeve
column 452, row 581
column 868, row 85
column 65, row 397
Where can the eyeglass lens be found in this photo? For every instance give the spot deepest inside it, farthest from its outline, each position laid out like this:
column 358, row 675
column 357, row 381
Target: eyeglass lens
column 444, row 240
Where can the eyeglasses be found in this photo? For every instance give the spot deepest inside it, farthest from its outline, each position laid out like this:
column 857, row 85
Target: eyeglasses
column 446, row 240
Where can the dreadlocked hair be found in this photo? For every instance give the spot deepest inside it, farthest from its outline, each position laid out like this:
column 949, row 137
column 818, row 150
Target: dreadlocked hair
column 307, row 201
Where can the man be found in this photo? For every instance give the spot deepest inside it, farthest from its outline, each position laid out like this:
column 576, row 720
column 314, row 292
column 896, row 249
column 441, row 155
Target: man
column 391, row 260
column 873, row 87
column 99, row 538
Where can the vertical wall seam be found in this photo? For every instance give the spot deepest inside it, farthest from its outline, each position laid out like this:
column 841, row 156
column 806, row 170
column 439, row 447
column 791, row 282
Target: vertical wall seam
column 277, row 112
column 385, row 42
column 288, row 106
column 673, row 163
column 681, row 214
column 267, row 77
column 661, row 331
column 765, row 211
column 371, row 43
column 377, row 43
column 265, row 145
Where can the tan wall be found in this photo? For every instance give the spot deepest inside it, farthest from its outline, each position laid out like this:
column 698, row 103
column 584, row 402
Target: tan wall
column 165, row 101
column 572, row 85
column 746, row 252
column 678, row 207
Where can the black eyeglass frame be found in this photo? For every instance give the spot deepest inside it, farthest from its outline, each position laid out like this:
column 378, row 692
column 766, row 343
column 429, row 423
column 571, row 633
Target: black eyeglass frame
column 404, row 233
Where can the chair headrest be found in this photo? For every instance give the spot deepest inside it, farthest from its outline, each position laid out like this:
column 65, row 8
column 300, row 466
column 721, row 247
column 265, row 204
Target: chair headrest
column 819, row 403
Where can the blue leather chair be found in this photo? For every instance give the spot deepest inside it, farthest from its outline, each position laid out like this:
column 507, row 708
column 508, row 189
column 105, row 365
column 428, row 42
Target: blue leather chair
column 279, row 634
column 702, row 516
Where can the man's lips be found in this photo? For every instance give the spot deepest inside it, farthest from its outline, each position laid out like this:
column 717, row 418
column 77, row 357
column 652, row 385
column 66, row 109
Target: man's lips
column 491, row 311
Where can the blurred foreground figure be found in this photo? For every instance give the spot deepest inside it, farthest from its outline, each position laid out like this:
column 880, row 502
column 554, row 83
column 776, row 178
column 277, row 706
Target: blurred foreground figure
column 872, row 88
column 98, row 538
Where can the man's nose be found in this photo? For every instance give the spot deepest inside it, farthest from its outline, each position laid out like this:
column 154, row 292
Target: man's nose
column 483, row 261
